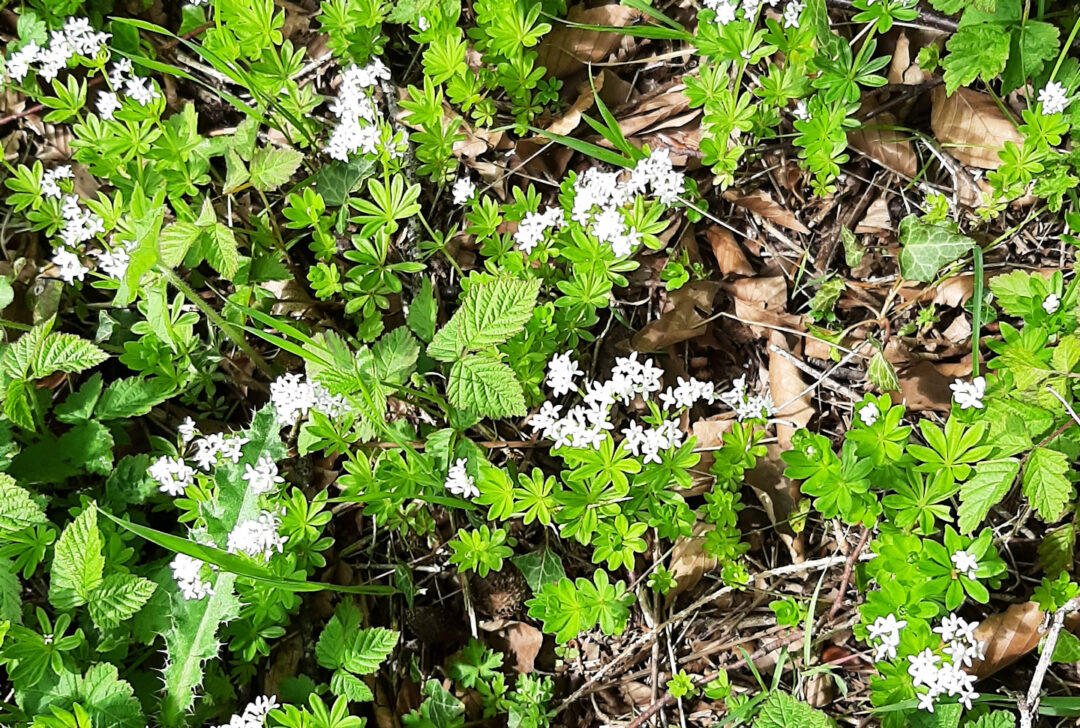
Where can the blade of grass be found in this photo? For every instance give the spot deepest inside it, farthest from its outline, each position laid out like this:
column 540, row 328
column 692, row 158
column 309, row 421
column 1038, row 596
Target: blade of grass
column 578, row 145
column 976, row 309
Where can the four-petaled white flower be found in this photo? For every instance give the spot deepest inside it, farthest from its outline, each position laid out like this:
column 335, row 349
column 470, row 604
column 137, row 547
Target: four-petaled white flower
column 1054, row 98
column 262, row 477
column 459, row 482
column 965, row 563
column 969, row 394
column 1051, row 304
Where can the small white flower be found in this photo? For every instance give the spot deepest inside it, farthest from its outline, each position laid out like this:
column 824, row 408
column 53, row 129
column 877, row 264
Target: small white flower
column 1053, row 98
column 792, row 11
column 69, row 267
column 259, row 537
column 422, row 23
column 187, row 572
column 464, row 190
column 171, row 475
column 263, row 476
column 108, row 103
column 561, row 374
column 187, row 430
column 230, row 449
column 965, row 563
column 1051, row 304
column 801, row 112
column 923, row 667
column 869, row 414
column 969, row 394
column 459, row 482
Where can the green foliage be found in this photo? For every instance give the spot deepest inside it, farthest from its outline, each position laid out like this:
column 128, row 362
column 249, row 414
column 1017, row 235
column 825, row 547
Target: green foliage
column 568, row 608
column 350, row 651
column 928, row 248
column 781, row 710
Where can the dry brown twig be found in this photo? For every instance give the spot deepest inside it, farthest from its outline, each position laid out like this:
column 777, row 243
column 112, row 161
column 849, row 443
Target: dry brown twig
column 1029, row 704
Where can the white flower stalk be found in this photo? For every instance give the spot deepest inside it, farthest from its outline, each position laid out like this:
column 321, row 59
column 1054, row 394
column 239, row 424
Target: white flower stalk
column 357, row 130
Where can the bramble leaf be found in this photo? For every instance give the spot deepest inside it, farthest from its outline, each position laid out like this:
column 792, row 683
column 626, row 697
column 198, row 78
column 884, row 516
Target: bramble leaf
column 486, row 386
column 271, row 168
column 78, row 563
column 982, row 491
column 1045, row 484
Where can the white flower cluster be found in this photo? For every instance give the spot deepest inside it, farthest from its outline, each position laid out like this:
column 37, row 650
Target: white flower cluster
column 969, row 394
column 588, row 424
column 173, row 475
column 748, row 406
column 600, row 199
column 459, row 482
column 76, row 38
column 79, row 226
column 262, row 477
column 254, row 715
column 886, row 632
column 139, row 89
column 869, row 414
column 965, row 563
column 114, row 263
column 258, row 537
column 792, row 12
column 726, row 9
column 464, row 190
column 187, row 572
column 1054, row 98
column 1051, row 304
column 357, row 129
column 210, row 447
column 948, row 678
column 294, row 395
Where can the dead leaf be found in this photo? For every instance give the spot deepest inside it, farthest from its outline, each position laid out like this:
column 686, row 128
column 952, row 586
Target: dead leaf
column 525, row 642
column 778, row 495
column 567, row 49
column 924, row 388
column 682, row 322
column 971, row 127
column 761, row 203
column 647, row 114
column 770, row 291
column 709, row 433
column 570, row 120
column 689, row 562
column 877, row 218
column 786, row 385
column 729, row 254
column 954, row 291
column 887, row 146
column 1007, row 636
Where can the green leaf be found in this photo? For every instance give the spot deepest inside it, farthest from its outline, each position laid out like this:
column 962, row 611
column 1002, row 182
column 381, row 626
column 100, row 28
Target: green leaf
column 945, row 715
column 540, row 568
column 783, row 711
column 992, row 480
column 175, row 241
column 881, row 373
column 491, row 313
column 79, row 406
column 145, row 254
column 485, row 386
column 132, row 397
column 395, row 355
column 271, row 167
column 77, row 562
column 1067, row 648
column 221, row 250
column 17, row 509
column 1045, row 484
column 926, row 249
column 993, row 719
column 65, row 353
column 334, row 181
column 422, row 312
column 346, row 684
column 1032, row 45
column 118, row 598
column 10, row 593
column 975, row 51
column 368, row 649
column 236, row 172
column 1056, row 550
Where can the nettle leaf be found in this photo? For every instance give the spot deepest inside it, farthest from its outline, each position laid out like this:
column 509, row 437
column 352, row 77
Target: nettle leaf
column 132, row 397
column 992, row 480
column 485, row 386
column 109, row 702
column 927, row 248
column 271, row 168
column 119, row 597
column 491, row 313
column 975, row 51
column 783, row 711
column 17, row 509
column 78, row 563
column 1045, row 484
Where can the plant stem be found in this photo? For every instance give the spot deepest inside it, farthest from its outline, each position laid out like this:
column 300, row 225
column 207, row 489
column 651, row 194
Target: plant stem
column 1029, row 704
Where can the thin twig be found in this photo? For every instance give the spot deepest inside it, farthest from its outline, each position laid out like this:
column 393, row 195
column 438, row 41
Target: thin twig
column 846, row 576
column 1029, row 704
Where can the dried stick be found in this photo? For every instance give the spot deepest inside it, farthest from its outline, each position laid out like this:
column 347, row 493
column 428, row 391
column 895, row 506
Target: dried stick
column 846, row 576
column 1029, row 704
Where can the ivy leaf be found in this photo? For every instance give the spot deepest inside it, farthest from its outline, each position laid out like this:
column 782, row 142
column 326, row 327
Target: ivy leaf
column 485, row 386
column 271, row 168
column 1045, row 484
column 491, row 313
column 118, row 598
column 882, row 374
column 540, row 568
column 783, row 711
column 77, row 562
column 984, row 490
column 975, row 51
column 927, row 248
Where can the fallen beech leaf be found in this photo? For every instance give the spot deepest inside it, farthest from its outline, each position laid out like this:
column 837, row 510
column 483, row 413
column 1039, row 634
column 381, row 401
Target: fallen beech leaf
column 761, row 203
column 709, row 433
column 525, row 642
column 924, row 388
column 1007, row 636
column 567, row 49
column 971, row 127
column 648, row 113
column 886, row 146
column 876, row 219
column 771, row 291
column 786, row 385
column 689, row 562
column 729, row 255
column 682, row 322
column 778, row 496
column 570, row 120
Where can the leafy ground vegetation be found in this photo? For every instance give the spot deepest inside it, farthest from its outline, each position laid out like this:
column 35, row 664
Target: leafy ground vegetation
column 438, row 364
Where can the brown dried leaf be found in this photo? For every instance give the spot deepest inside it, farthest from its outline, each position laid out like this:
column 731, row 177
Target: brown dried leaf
column 567, row 49
column 924, row 388
column 682, row 322
column 786, row 384
column 770, row 291
column 709, row 433
column 525, row 642
column 570, row 120
column 689, row 562
column 971, row 127
column 877, row 217
column 729, row 255
column 886, row 146
column 1008, row 636
column 761, row 203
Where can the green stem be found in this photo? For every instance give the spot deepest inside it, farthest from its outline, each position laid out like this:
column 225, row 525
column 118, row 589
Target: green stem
column 216, row 319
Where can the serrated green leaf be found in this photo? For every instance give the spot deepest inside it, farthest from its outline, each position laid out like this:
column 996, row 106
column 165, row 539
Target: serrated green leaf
column 10, row 593
column 1045, row 484
column 994, row 719
column 271, row 168
column 992, row 480
column 422, row 312
column 17, row 509
column 368, row 649
column 1033, row 43
column 79, row 405
column 1056, row 550
column 485, row 386
column 395, row 355
column 349, row 686
column 78, row 562
column 926, row 249
column 118, row 598
column 491, row 313
column 132, row 397
column 65, row 353
column 783, row 711
column 176, row 239
column 221, row 250
column 236, row 172
column 975, row 51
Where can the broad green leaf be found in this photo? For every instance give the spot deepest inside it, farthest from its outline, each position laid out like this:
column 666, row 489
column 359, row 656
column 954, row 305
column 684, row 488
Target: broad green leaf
column 994, row 719
column 881, row 373
column 783, row 711
column 540, row 568
column 79, row 406
column 926, row 249
column 236, row 172
column 145, row 253
column 1067, row 648
column 10, row 593
column 118, row 598
column 992, row 480
column 485, row 386
column 77, row 562
column 175, row 241
column 132, row 397
column 945, row 715
column 221, row 250
column 1045, row 484
column 975, row 51
column 491, row 313
column 1033, row 44
column 368, row 649
column 334, row 181
column 271, row 168
column 395, row 355
column 17, row 509
column 65, row 353
column 1056, row 550
column 423, row 312
column 349, row 686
